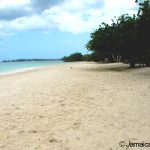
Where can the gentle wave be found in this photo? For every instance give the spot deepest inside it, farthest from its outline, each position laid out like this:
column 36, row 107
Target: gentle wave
column 13, row 67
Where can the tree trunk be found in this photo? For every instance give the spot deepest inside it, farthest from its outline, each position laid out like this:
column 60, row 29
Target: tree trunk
column 147, row 64
column 132, row 64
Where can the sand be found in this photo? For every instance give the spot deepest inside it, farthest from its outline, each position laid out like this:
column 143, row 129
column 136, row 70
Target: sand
column 87, row 107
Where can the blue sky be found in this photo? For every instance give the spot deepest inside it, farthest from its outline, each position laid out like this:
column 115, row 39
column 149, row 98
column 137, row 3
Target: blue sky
column 37, row 44
column 53, row 28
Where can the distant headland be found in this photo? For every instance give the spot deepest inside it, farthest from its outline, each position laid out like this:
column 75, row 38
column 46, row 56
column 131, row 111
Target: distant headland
column 23, row 60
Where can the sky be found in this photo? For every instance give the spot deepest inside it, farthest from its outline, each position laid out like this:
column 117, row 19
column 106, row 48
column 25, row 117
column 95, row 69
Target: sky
column 53, row 28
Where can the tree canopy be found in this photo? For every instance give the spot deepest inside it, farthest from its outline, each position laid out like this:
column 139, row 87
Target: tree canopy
column 127, row 37
column 73, row 57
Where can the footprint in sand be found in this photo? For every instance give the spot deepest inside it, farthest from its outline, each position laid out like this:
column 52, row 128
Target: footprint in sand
column 21, row 131
column 76, row 125
column 33, row 131
column 77, row 138
column 2, row 146
column 12, row 127
column 41, row 116
column 53, row 140
column 62, row 105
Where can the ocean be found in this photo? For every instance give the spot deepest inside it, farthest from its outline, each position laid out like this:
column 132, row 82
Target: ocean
column 11, row 67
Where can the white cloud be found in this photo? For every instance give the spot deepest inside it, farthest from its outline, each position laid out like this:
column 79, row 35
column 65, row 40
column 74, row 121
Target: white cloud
column 69, row 15
column 28, row 23
column 119, row 4
column 13, row 3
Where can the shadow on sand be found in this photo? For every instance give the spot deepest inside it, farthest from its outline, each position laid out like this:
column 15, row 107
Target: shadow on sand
column 112, row 68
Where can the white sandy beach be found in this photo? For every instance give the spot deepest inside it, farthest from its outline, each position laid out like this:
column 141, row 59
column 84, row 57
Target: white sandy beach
column 87, row 107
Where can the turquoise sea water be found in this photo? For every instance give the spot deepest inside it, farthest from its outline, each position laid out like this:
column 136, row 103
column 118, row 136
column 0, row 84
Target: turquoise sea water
column 9, row 67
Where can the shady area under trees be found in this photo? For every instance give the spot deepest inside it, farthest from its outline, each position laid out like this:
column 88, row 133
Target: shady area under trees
column 127, row 39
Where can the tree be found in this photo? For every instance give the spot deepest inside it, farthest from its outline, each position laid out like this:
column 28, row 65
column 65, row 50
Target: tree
column 127, row 37
column 73, row 57
column 143, row 27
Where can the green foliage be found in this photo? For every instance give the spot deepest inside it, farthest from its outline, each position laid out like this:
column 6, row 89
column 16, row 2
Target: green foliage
column 87, row 57
column 95, row 56
column 127, row 36
column 73, row 57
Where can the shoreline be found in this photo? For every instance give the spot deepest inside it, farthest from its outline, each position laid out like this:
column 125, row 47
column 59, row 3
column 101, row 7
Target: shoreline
column 28, row 69
column 15, row 67
column 18, row 71
column 48, row 66
column 42, row 67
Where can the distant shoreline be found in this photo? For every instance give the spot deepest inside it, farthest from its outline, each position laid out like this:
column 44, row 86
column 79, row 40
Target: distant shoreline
column 25, row 60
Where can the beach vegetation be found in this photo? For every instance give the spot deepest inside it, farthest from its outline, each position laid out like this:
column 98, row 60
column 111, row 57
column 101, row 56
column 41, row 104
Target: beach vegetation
column 73, row 57
column 126, row 39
